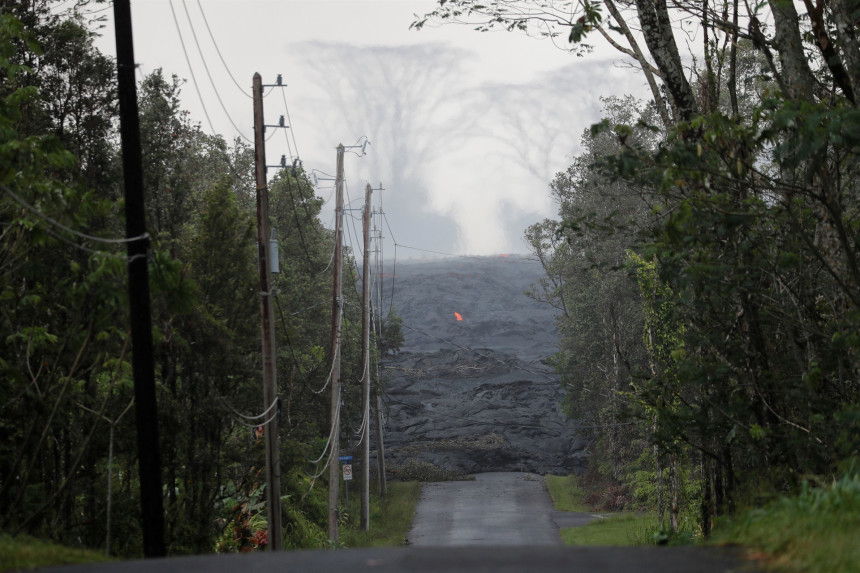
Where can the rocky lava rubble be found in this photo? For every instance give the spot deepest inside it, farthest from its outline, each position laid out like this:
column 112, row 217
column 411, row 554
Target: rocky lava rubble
column 475, row 395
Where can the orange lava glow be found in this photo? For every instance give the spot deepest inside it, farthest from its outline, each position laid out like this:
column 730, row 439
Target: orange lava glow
column 457, row 314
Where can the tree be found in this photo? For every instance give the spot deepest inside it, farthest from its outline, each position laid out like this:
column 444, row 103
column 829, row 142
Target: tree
column 833, row 47
column 63, row 357
column 749, row 256
column 600, row 322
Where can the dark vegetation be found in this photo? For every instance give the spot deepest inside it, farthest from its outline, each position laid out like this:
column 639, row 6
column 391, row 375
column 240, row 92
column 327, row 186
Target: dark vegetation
column 67, row 440
column 705, row 256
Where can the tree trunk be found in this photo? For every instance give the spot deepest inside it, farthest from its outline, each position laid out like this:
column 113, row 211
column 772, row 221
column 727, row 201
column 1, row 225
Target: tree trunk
column 795, row 69
column 673, row 485
column 657, row 29
column 847, row 36
column 643, row 62
column 707, row 496
column 661, row 509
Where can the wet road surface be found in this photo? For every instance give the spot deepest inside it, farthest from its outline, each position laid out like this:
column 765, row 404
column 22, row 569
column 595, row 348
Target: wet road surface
column 433, row 559
column 503, row 509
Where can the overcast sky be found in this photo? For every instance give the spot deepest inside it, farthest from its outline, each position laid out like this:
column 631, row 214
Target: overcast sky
column 467, row 129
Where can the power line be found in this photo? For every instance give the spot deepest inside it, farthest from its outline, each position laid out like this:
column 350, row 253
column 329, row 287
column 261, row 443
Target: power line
column 394, row 265
column 209, row 75
column 289, row 121
column 241, row 415
column 206, row 22
column 96, row 252
column 330, row 434
column 59, row 225
column 191, row 69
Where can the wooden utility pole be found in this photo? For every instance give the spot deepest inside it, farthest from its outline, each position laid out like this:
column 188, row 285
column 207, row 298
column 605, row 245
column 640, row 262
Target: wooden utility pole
column 336, row 315
column 267, row 314
column 143, row 370
column 365, row 367
column 380, row 445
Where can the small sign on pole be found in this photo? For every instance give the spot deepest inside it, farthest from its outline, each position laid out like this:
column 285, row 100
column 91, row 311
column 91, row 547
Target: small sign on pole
column 347, row 472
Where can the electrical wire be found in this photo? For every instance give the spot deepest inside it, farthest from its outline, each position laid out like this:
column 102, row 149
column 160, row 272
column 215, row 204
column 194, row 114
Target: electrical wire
column 69, row 242
column 18, row 199
column 191, row 69
column 257, row 417
column 287, row 334
column 208, row 74
column 335, row 420
column 271, row 419
column 331, row 370
column 96, row 252
column 330, row 260
column 214, row 43
column 290, row 122
column 365, row 406
column 393, row 280
column 394, row 265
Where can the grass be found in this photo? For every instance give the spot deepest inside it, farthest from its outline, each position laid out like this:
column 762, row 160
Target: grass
column 23, row 552
column 390, row 521
column 618, row 530
column 390, row 518
column 816, row 531
column 566, row 493
column 621, row 529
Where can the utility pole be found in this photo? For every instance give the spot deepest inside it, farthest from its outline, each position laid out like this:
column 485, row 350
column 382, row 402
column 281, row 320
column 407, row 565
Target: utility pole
column 365, row 366
column 267, row 314
column 336, row 315
column 145, row 403
column 380, row 446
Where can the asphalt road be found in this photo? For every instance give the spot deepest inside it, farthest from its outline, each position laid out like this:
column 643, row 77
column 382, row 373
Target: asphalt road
column 499, row 523
column 502, row 509
column 434, row 559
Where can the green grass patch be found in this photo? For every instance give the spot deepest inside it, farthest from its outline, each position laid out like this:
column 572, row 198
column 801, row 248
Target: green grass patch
column 622, row 529
column 390, row 518
column 22, row 552
column 816, row 531
column 566, row 493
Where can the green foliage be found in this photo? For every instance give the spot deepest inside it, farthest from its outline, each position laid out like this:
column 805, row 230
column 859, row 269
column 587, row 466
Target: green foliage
column 24, row 552
column 816, row 530
column 744, row 258
column 390, row 517
column 566, row 493
column 62, row 354
column 600, row 316
column 391, row 335
column 626, row 529
column 66, row 440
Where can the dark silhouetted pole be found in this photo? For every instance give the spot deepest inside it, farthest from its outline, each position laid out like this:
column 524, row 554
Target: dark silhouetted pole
column 146, row 411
